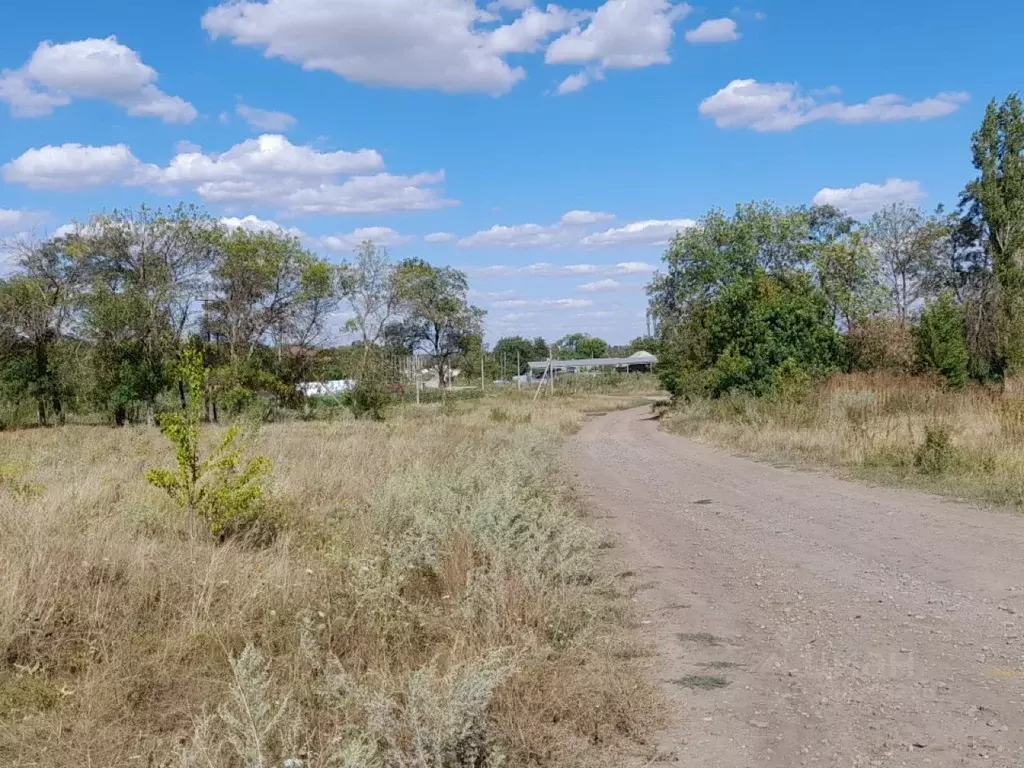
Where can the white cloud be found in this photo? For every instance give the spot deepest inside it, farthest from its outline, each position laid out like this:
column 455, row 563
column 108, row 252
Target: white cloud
column 352, row 240
column 650, row 232
column 269, row 156
column 865, row 199
column 550, row 303
column 544, row 269
column 439, row 237
column 714, row 31
column 89, row 69
column 254, row 224
column 781, row 107
column 525, row 34
column 575, row 83
column 74, row 166
column 600, row 286
column 520, row 236
column 265, row 119
column 268, row 170
column 584, row 218
column 621, row 34
column 16, row 221
column 575, row 228
column 407, row 43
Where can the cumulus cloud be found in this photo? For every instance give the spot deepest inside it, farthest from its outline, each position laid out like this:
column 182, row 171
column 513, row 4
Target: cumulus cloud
column 268, row 170
column 650, row 232
column 352, row 240
column 865, row 199
column 714, row 31
column 76, row 166
column 544, row 269
column 549, row 303
column 781, row 107
column 265, row 119
column 435, row 44
column 439, row 237
column 526, row 33
column 19, row 220
column 584, row 218
column 103, row 69
column 600, row 286
column 256, row 225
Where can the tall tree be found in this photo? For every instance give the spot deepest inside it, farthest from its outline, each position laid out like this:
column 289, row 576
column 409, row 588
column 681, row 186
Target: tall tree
column 148, row 270
column 267, row 291
column 580, row 346
column 515, row 348
column 439, row 319
column 37, row 309
column 899, row 236
column 995, row 199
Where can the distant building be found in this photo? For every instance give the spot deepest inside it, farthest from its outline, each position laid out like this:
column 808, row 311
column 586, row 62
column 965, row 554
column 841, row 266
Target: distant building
column 638, row 362
column 321, row 388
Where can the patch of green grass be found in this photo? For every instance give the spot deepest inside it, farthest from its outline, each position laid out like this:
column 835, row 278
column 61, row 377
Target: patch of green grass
column 719, row 665
column 702, row 682
column 700, row 638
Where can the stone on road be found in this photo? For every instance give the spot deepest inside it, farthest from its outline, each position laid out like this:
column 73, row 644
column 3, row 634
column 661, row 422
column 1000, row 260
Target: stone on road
column 802, row 620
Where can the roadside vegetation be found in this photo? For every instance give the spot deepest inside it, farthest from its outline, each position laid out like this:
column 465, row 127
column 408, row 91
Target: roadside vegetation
column 892, row 346
column 430, row 596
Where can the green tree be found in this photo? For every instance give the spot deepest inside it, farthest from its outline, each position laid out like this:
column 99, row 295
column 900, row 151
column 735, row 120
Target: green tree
column 740, row 304
column 268, row 292
column 941, row 343
column 579, row 346
column 513, row 348
column 37, row 310
column 147, row 270
column 439, row 319
column 995, row 199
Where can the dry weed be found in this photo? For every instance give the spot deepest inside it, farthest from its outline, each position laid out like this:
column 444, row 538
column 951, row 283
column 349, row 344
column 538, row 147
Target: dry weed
column 432, row 600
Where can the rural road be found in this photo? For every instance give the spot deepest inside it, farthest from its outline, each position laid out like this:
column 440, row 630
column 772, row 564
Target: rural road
column 854, row 626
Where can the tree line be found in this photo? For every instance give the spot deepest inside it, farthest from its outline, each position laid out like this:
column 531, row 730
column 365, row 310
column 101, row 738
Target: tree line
column 96, row 320
column 769, row 297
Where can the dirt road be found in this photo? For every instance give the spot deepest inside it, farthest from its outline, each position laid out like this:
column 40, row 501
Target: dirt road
column 849, row 625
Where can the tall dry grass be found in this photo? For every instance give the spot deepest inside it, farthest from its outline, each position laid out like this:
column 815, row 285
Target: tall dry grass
column 433, row 600
column 906, row 430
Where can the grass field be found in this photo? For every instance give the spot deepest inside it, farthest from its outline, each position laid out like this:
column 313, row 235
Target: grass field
column 435, row 599
column 901, row 430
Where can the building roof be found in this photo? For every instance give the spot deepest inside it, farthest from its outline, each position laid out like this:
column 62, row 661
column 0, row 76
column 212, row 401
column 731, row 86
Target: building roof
column 597, row 362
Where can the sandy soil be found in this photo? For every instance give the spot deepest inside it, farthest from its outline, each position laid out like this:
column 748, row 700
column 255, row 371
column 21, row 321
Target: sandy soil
column 850, row 625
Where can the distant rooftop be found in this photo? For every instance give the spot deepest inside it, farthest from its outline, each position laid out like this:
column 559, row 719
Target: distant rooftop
column 638, row 358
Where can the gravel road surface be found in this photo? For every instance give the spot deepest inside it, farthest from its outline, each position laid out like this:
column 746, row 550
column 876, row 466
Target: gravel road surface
column 802, row 620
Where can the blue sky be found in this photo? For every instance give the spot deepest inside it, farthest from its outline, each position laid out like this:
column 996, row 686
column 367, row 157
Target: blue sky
column 549, row 150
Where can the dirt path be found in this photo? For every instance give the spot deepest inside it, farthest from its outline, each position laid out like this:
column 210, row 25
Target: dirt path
column 853, row 625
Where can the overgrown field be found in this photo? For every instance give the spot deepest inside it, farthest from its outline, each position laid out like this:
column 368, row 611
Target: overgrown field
column 906, row 430
column 433, row 600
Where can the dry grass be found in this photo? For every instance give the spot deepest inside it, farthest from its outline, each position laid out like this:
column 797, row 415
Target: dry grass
column 877, row 427
column 433, row 601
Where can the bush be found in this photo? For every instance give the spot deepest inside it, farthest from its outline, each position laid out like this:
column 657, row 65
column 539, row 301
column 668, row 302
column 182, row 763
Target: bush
column 882, row 344
column 936, row 455
column 369, row 400
column 218, row 489
column 941, row 340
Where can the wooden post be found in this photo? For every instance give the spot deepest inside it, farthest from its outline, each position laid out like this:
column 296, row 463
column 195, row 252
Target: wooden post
column 519, row 371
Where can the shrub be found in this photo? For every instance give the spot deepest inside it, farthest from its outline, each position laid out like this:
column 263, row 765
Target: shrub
column 882, row 344
column 941, row 340
column 218, row 489
column 936, row 454
column 369, row 400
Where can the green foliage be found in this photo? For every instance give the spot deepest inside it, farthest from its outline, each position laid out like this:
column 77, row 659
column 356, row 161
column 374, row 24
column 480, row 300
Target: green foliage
column 936, row 455
column 738, row 302
column 996, row 199
column 941, row 344
column 228, row 496
column 579, row 346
